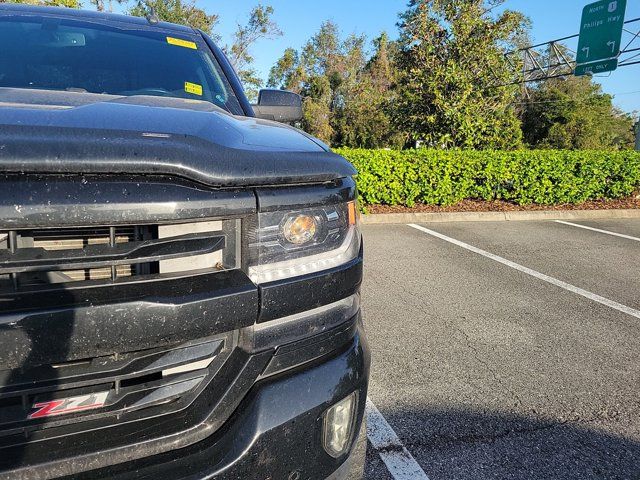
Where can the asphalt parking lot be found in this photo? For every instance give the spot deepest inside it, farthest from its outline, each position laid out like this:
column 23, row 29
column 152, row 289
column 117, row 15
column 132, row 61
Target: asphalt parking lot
column 505, row 350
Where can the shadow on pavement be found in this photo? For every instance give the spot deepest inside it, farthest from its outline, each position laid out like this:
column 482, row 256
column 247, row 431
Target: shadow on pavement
column 466, row 445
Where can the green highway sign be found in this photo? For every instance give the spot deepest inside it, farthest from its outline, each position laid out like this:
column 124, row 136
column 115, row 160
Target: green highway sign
column 597, row 67
column 600, row 33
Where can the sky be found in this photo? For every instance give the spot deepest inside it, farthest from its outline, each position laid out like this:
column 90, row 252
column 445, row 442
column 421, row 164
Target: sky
column 300, row 19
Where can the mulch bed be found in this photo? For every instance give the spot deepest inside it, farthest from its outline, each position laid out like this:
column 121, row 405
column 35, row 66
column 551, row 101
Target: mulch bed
column 502, row 206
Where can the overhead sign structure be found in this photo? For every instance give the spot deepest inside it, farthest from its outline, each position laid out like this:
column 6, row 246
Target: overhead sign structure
column 600, row 37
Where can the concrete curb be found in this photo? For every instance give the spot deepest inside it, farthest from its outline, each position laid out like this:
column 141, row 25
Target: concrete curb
column 390, row 218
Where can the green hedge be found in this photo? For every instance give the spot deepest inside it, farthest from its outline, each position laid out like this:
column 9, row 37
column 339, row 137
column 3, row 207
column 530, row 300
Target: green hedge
column 445, row 177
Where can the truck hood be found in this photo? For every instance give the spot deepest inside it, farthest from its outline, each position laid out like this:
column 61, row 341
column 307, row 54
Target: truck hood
column 68, row 132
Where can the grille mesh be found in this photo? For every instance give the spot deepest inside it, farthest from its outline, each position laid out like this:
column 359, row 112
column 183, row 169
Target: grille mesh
column 71, row 239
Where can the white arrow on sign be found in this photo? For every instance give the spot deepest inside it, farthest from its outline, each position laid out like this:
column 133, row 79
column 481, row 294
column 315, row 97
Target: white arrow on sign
column 612, row 44
column 587, row 50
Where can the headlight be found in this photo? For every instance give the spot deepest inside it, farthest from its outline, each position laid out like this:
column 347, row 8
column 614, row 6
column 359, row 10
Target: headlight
column 294, row 243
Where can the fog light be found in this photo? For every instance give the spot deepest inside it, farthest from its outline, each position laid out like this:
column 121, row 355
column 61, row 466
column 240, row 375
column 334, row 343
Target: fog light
column 337, row 426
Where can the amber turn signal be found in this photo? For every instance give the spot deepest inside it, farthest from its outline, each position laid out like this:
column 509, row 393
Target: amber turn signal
column 352, row 213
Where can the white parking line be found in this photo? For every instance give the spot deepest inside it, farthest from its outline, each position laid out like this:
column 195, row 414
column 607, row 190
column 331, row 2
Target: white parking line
column 541, row 276
column 399, row 462
column 628, row 237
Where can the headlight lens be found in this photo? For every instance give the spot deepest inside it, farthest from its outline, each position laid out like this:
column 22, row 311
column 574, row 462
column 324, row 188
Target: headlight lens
column 300, row 229
column 293, row 243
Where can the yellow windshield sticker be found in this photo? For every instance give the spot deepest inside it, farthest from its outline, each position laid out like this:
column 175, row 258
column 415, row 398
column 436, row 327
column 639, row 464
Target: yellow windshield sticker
column 181, row 43
column 193, row 88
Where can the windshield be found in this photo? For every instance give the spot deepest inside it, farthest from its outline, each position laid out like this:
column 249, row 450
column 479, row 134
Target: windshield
column 54, row 54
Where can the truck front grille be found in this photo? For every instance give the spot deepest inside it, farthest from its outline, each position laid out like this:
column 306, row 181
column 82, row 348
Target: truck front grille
column 125, row 383
column 65, row 255
column 123, row 296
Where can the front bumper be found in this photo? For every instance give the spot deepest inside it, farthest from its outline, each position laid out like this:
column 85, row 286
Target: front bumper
column 275, row 432
column 259, row 417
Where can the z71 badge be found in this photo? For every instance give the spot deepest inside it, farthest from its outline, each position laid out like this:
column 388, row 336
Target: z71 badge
column 63, row 406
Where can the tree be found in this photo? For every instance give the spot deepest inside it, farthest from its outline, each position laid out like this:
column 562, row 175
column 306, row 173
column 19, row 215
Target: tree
column 48, row 3
column 364, row 120
column 381, row 63
column 573, row 113
column 175, row 11
column 288, row 72
column 259, row 26
column 331, row 67
column 451, row 64
column 315, row 74
column 345, row 93
column 317, row 115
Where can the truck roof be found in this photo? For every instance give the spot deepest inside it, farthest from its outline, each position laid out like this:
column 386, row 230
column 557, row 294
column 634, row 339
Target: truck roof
column 103, row 17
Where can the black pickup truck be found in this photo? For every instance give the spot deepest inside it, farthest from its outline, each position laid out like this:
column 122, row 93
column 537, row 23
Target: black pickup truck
column 179, row 278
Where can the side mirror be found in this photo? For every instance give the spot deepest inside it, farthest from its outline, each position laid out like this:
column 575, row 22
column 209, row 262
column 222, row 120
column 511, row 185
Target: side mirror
column 278, row 105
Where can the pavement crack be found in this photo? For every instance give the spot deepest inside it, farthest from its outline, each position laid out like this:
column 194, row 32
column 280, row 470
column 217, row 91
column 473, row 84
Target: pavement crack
column 478, row 357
